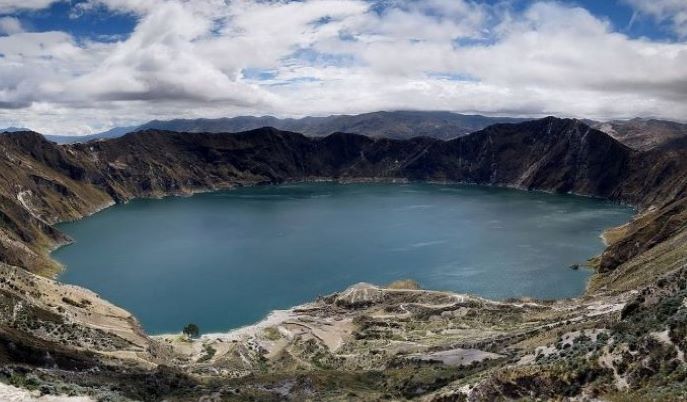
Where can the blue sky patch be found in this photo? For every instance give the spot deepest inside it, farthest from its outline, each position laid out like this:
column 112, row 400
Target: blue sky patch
column 99, row 24
column 105, row 25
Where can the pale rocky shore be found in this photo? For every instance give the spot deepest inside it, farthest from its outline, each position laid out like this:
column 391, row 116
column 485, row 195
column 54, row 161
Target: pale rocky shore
column 9, row 393
column 443, row 345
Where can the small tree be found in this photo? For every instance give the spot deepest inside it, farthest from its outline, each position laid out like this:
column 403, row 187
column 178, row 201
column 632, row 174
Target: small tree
column 191, row 330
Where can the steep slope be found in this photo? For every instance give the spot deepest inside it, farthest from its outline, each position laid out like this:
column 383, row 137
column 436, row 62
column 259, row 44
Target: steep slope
column 40, row 184
column 643, row 134
column 548, row 154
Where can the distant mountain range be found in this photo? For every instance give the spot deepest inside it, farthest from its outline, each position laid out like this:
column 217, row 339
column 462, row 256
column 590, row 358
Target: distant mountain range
column 639, row 133
column 397, row 125
column 73, row 139
column 13, row 130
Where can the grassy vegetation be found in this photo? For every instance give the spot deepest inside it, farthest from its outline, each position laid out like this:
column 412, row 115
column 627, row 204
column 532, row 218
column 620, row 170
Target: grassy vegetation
column 271, row 333
column 208, row 353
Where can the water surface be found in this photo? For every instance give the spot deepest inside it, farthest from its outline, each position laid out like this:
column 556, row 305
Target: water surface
column 225, row 259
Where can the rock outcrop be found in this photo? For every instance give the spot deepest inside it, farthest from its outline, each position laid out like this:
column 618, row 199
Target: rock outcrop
column 644, row 134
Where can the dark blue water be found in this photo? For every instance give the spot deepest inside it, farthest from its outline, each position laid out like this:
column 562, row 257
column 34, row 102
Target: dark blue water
column 225, row 259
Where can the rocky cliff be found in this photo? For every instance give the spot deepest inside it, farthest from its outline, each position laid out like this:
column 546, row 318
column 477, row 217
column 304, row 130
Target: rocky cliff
column 643, row 134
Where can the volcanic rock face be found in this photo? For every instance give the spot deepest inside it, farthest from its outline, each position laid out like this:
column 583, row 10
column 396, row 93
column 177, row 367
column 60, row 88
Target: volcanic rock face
column 42, row 183
column 550, row 154
column 364, row 328
column 644, row 134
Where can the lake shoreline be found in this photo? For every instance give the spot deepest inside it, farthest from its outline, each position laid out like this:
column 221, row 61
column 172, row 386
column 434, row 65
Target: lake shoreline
column 421, row 243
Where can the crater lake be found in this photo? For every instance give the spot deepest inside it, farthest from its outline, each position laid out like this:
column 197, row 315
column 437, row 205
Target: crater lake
column 225, row 259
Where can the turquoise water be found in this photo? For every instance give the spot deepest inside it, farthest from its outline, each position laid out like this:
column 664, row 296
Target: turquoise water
column 225, row 259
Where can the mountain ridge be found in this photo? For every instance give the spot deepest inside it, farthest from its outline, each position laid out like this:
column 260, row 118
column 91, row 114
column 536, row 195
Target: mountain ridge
column 638, row 133
column 393, row 124
column 644, row 134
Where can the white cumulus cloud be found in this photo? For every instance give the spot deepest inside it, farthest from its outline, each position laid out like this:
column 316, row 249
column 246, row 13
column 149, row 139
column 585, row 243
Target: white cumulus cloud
column 9, row 6
column 10, row 26
column 674, row 11
column 213, row 58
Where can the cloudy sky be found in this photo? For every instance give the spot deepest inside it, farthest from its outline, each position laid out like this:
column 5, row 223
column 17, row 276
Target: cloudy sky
column 75, row 67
